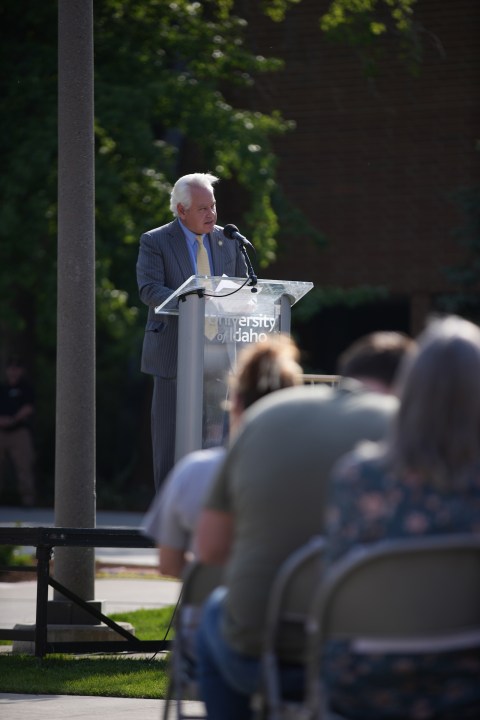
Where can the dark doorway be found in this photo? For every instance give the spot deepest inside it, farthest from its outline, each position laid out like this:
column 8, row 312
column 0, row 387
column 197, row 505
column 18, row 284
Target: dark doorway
column 325, row 336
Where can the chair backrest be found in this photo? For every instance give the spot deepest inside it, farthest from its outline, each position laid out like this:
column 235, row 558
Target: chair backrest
column 287, row 610
column 199, row 581
column 405, row 595
column 292, row 590
column 403, row 587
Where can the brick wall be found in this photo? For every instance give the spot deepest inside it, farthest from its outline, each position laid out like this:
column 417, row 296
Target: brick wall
column 374, row 165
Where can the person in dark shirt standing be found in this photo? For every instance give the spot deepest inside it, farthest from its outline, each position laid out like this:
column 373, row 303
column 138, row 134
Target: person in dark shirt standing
column 16, row 412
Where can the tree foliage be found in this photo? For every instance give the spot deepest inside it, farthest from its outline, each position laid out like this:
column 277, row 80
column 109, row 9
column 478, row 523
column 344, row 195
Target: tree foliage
column 465, row 277
column 164, row 74
column 161, row 70
column 364, row 25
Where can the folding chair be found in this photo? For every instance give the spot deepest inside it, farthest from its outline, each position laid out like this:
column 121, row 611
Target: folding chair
column 287, row 610
column 396, row 596
column 199, row 581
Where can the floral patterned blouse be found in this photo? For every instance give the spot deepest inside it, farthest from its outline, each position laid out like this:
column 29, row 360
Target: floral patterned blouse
column 368, row 503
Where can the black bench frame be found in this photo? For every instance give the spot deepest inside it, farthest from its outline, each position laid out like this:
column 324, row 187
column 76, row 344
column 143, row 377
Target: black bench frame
column 45, row 539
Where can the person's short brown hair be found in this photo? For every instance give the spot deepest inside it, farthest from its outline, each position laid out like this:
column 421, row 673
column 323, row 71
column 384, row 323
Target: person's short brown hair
column 377, row 355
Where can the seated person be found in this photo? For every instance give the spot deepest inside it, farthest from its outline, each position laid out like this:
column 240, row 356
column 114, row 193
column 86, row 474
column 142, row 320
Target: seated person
column 374, row 359
column 425, row 480
column 262, row 368
column 267, row 500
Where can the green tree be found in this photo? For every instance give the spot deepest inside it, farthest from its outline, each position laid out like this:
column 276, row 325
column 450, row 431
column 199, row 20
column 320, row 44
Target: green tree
column 161, row 74
column 165, row 76
column 363, row 24
column 465, row 276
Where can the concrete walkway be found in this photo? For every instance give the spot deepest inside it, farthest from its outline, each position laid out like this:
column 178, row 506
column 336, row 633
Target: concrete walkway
column 81, row 707
column 119, row 594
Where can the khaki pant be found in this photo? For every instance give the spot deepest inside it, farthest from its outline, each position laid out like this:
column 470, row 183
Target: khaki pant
column 18, row 444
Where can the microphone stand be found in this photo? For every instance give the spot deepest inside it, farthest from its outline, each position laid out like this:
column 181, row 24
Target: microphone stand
column 251, row 274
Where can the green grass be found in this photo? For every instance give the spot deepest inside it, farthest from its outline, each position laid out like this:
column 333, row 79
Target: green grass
column 148, row 624
column 115, row 676
column 69, row 675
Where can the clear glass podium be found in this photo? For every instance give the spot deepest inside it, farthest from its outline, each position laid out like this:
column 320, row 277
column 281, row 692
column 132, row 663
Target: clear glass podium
column 217, row 317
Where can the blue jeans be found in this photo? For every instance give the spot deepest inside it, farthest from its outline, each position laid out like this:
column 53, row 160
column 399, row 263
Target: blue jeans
column 227, row 678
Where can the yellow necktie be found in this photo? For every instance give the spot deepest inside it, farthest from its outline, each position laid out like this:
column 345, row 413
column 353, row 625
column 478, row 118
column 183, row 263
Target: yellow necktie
column 203, row 263
column 203, row 268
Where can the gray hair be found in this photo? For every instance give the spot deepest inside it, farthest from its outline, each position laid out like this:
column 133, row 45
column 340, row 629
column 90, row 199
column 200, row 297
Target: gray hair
column 182, row 190
column 437, row 431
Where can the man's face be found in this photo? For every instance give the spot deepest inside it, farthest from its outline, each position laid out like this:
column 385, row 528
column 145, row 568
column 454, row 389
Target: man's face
column 14, row 374
column 201, row 216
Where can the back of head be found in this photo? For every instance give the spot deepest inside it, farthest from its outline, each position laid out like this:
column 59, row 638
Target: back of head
column 181, row 192
column 375, row 359
column 264, row 367
column 437, row 432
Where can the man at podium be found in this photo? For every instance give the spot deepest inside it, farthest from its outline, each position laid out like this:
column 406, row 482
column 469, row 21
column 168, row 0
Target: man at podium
column 192, row 244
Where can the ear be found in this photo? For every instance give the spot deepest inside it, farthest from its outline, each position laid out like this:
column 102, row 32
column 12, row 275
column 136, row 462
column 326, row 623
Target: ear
column 181, row 210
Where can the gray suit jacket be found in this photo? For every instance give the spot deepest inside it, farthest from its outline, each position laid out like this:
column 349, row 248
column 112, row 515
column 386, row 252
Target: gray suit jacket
column 163, row 264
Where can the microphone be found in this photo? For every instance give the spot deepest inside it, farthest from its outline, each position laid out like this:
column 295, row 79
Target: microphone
column 232, row 232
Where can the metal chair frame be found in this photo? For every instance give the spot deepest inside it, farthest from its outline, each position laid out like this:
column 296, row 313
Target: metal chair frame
column 288, row 607
column 406, row 595
column 198, row 582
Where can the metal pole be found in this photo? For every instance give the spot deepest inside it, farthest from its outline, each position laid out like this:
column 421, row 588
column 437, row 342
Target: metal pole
column 191, row 342
column 75, row 403
column 285, row 314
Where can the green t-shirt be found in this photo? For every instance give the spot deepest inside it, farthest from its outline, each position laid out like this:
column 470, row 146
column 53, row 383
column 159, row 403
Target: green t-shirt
column 274, row 482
